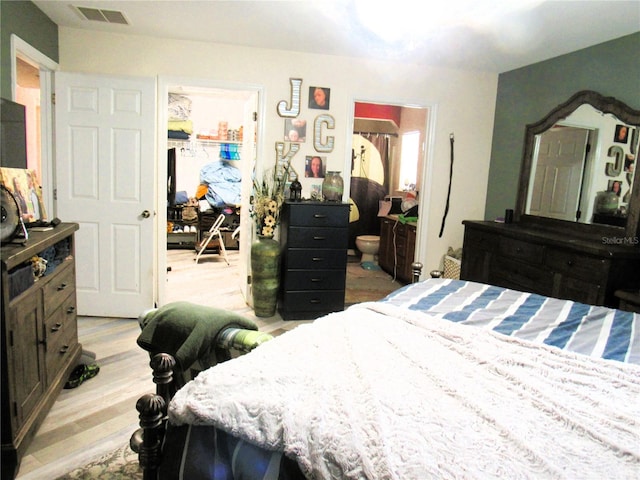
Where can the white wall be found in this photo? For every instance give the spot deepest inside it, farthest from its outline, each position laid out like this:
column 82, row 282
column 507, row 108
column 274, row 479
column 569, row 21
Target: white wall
column 461, row 102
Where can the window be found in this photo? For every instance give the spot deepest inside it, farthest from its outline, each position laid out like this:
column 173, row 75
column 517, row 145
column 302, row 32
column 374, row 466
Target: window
column 409, row 161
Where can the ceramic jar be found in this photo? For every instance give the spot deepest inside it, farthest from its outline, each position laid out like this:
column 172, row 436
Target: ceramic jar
column 332, row 187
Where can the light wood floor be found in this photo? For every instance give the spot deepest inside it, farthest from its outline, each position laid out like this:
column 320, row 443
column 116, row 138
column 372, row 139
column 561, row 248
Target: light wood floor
column 99, row 416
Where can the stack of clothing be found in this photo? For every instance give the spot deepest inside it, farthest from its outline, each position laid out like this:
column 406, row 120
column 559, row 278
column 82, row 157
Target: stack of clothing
column 180, row 126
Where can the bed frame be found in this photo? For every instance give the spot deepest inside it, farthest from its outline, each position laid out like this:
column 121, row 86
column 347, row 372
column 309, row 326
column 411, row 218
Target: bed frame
column 152, row 407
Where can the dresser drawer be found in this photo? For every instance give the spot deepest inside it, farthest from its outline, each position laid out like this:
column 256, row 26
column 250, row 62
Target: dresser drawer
column 579, row 291
column 317, row 258
column 315, row 280
column 59, row 287
column 61, row 335
column 525, row 251
column 520, row 276
column 323, row 301
column 481, row 240
column 576, row 265
column 315, row 215
column 322, row 237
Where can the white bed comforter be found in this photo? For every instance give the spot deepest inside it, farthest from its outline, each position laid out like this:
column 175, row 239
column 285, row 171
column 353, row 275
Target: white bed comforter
column 385, row 393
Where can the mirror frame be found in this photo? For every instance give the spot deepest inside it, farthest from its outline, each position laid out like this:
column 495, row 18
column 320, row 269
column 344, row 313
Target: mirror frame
column 603, row 104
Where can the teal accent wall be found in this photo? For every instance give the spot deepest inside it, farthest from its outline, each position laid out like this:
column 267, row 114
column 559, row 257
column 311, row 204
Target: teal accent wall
column 527, row 94
column 29, row 23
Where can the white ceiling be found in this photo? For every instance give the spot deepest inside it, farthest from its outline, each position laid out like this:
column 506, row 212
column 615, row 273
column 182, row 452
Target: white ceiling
column 488, row 35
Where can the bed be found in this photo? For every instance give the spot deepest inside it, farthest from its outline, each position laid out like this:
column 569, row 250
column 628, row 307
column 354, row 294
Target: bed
column 441, row 379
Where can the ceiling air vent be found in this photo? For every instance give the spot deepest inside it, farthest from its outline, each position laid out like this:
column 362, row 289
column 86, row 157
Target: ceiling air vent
column 101, row 15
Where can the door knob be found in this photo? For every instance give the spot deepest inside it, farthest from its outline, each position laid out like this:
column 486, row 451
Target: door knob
column 146, row 214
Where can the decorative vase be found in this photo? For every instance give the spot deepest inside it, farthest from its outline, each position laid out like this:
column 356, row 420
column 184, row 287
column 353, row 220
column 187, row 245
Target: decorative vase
column 265, row 275
column 606, row 202
column 332, row 187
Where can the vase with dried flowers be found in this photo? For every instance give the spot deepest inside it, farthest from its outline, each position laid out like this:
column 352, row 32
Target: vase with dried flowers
column 268, row 197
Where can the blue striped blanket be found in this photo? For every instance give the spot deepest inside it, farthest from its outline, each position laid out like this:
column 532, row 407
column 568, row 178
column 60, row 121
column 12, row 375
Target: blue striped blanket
column 590, row 330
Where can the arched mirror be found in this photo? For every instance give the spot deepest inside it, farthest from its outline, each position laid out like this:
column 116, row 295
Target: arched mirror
column 579, row 167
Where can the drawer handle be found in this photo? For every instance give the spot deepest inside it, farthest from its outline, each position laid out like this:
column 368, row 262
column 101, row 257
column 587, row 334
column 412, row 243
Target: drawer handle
column 316, row 280
column 64, row 349
column 62, row 286
column 518, row 250
column 319, row 238
column 570, row 262
column 71, row 309
column 315, row 301
column 57, row 327
column 319, row 215
column 318, row 259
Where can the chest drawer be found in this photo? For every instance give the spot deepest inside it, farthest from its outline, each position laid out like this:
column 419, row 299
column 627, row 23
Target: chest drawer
column 578, row 290
column 317, row 215
column 321, row 237
column 61, row 334
column 525, row 251
column 482, row 240
column 576, row 265
column 319, row 258
column 59, row 287
column 313, row 301
column 520, row 276
column 315, row 280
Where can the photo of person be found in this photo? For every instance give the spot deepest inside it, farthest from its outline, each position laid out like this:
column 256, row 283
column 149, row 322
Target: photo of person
column 622, row 133
column 18, row 194
column 319, row 98
column 314, row 167
column 24, row 186
column 629, row 162
column 295, row 130
column 615, row 186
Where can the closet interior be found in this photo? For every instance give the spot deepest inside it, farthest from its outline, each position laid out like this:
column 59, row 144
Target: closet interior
column 204, row 176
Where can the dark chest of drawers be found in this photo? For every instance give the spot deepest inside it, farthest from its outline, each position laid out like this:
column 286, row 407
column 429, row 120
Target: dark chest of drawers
column 397, row 248
column 314, row 239
column 549, row 263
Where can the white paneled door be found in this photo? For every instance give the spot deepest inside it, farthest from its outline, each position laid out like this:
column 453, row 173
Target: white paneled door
column 558, row 173
column 105, row 151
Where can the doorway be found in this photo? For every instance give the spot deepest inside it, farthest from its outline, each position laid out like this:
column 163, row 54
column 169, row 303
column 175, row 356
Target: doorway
column 31, row 82
column 219, row 146
column 388, row 152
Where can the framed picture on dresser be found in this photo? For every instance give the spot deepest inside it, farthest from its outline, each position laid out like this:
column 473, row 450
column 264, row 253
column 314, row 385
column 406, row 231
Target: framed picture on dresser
column 25, row 187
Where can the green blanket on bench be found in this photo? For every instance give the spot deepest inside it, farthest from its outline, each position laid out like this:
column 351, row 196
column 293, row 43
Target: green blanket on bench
column 188, row 332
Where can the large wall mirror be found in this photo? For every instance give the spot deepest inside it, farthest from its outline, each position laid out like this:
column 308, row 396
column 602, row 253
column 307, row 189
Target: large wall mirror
column 579, row 167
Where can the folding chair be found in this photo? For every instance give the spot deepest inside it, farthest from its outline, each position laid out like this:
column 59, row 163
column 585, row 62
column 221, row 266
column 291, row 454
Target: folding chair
column 213, row 234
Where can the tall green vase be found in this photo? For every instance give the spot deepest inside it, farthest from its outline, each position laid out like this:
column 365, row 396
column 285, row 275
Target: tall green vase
column 265, row 275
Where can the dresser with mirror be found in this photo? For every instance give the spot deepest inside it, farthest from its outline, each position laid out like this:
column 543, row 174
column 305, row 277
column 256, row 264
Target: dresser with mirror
column 574, row 233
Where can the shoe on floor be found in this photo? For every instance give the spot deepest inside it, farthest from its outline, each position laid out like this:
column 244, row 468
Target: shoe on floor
column 80, row 374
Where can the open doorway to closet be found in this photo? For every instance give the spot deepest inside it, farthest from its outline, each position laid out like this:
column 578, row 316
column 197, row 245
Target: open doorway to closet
column 210, row 156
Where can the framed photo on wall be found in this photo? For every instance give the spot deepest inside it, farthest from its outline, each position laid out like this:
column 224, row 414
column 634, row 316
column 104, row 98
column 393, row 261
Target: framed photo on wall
column 314, row 166
column 319, row 98
column 622, row 134
column 295, row 130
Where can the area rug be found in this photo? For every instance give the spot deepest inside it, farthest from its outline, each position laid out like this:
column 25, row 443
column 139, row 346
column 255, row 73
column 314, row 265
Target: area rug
column 367, row 285
column 121, row 464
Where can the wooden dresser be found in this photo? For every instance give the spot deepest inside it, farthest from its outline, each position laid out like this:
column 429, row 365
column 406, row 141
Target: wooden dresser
column 397, row 248
column 314, row 239
column 39, row 335
column 548, row 262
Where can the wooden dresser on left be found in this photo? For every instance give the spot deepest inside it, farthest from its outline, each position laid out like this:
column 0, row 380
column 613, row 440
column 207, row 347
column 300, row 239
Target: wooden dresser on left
column 39, row 334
